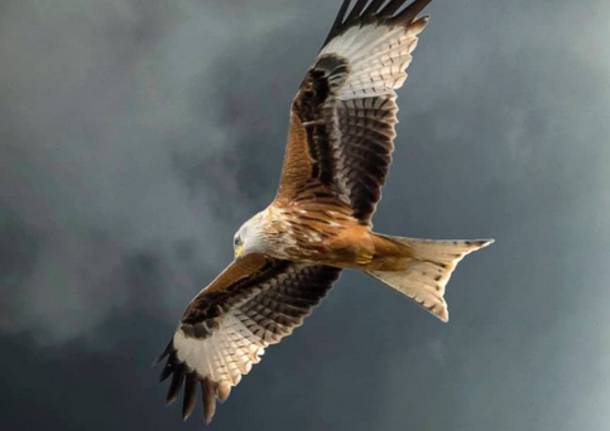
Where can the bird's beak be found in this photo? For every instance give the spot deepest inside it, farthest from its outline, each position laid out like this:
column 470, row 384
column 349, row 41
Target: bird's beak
column 239, row 250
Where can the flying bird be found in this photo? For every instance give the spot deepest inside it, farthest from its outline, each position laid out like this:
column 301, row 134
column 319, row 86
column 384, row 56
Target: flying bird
column 287, row 257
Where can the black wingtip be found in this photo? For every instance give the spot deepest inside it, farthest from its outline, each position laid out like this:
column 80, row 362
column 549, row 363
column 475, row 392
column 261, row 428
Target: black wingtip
column 362, row 13
column 166, row 372
column 175, row 385
column 373, row 8
column 391, row 7
column 338, row 23
column 190, row 390
column 208, row 397
column 357, row 10
column 166, row 352
column 411, row 11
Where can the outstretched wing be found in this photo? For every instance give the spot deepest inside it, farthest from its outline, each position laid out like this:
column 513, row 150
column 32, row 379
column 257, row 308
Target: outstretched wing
column 343, row 118
column 254, row 302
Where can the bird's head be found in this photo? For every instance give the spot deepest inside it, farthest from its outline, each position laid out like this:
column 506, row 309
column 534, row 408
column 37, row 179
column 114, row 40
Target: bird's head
column 248, row 238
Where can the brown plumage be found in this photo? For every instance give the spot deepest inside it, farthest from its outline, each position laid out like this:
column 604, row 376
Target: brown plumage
column 340, row 141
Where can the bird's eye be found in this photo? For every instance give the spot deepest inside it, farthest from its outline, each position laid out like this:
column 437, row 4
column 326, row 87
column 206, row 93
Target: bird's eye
column 236, row 240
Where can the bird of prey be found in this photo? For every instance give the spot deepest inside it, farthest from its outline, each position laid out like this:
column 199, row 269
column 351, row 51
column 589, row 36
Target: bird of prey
column 340, row 140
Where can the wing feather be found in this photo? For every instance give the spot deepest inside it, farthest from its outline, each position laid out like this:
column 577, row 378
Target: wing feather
column 225, row 329
column 343, row 117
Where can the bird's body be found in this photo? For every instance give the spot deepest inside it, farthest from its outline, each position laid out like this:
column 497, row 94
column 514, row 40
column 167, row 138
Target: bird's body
column 322, row 233
column 340, row 141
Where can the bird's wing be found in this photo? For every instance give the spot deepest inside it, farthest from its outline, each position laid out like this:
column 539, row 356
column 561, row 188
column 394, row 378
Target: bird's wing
column 254, row 302
column 343, row 118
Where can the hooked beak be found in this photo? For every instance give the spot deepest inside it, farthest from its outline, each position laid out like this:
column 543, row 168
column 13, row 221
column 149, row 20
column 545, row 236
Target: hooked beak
column 239, row 250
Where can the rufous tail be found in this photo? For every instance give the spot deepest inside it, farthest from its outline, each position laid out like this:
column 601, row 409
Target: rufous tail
column 427, row 269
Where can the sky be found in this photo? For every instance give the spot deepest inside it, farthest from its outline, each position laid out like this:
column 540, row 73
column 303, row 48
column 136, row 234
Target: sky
column 136, row 136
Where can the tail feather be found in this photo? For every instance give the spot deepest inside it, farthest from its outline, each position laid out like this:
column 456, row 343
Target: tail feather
column 428, row 270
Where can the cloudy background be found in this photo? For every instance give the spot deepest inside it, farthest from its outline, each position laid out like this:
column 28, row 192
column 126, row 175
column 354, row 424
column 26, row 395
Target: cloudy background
column 135, row 136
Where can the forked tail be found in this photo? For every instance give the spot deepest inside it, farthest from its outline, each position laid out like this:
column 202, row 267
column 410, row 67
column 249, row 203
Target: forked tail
column 427, row 270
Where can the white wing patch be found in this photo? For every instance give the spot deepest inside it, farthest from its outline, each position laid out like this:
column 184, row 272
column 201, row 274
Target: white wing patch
column 225, row 355
column 378, row 56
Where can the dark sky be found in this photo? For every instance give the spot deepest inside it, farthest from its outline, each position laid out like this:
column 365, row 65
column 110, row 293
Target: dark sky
column 136, row 136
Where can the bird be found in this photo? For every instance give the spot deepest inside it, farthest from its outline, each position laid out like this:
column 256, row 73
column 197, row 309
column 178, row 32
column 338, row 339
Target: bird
column 287, row 256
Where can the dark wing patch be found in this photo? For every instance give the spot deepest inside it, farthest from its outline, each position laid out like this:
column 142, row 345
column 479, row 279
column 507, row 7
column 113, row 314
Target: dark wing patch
column 226, row 328
column 366, row 127
column 316, row 115
column 201, row 316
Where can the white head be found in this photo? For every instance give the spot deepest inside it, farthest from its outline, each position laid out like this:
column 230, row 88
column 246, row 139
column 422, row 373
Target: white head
column 249, row 237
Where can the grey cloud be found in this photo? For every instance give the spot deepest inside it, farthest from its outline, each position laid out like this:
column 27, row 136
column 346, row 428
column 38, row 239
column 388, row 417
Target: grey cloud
column 94, row 111
column 136, row 138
